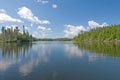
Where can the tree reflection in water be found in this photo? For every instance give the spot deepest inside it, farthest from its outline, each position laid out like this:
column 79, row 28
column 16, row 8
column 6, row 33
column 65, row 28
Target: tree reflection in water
column 13, row 49
column 105, row 49
column 76, row 51
column 11, row 53
column 27, row 56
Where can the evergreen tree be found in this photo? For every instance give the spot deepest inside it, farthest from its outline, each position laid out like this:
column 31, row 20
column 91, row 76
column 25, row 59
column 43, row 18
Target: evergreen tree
column 8, row 34
column 108, row 33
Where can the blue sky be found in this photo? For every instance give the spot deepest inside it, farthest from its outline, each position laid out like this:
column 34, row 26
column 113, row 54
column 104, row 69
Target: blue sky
column 58, row 18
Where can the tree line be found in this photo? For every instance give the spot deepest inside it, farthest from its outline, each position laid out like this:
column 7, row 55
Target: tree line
column 54, row 39
column 103, row 34
column 14, row 35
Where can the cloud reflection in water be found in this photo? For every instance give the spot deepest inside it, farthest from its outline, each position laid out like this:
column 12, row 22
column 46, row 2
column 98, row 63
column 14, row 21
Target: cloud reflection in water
column 26, row 56
column 40, row 54
column 73, row 51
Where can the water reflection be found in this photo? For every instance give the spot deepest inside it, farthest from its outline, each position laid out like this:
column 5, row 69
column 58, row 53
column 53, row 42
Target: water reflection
column 11, row 54
column 78, row 50
column 54, row 60
column 103, row 49
column 73, row 51
column 12, row 49
column 25, row 57
column 40, row 53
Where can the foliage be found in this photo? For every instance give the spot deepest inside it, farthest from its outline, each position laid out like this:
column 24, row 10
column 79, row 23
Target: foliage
column 14, row 35
column 55, row 39
column 108, row 33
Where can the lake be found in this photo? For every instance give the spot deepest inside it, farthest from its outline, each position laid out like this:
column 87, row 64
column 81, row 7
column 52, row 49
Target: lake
column 59, row 60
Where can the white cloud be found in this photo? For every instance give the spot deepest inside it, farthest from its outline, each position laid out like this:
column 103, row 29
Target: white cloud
column 6, row 18
column 41, row 28
column 42, row 32
column 54, row 6
column 35, row 34
column 43, row 1
column 26, row 28
column 44, row 28
column 11, row 26
column 27, row 14
column 2, row 11
column 92, row 24
column 72, row 30
column 39, row 34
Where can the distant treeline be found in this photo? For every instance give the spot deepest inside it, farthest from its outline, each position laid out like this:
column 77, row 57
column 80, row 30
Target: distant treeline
column 14, row 35
column 54, row 39
column 102, row 34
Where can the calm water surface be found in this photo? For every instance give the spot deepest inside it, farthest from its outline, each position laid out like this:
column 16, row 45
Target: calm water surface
column 54, row 60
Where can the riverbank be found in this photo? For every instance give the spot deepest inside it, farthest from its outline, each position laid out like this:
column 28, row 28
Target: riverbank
column 16, row 41
column 37, row 39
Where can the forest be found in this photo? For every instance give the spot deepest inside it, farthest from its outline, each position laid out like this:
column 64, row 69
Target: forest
column 103, row 34
column 14, row 35
column 54, row 39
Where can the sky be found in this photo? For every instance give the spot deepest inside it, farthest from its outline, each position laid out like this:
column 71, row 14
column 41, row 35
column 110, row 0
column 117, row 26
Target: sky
column 58, row 18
